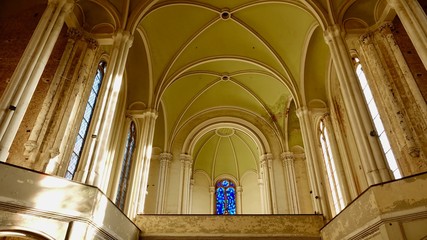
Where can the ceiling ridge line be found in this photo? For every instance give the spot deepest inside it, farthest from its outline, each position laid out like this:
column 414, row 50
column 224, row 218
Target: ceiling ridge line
column 179, row 52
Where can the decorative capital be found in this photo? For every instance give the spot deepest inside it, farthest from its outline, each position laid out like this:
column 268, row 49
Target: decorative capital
column 74, row 33
column 332, row 32
column 266, row 158
column 165, row 157
column 287, row 158
column 366, row 38
column 92, row 43
column 54, row 152
column 185, row 158
column 30, row 146
column 386, row 28
column 301, row 111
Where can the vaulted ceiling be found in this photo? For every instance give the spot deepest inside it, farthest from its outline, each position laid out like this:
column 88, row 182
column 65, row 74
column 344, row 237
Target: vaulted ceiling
column 252, row 57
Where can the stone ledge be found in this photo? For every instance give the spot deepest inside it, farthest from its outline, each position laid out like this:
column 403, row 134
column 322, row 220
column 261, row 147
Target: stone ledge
column 231, row 226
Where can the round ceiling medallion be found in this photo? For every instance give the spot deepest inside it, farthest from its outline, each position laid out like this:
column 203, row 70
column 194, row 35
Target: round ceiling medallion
column 225, row 14
column 224, row 132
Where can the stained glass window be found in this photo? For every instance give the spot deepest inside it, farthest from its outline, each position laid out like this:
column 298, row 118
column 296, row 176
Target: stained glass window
column 225, row 197
column 379, row 127
column 126, row 166
column 84, row 125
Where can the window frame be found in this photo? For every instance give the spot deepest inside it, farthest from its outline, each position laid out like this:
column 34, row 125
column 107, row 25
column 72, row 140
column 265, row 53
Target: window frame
column 232, row 185
column 126, row 166
column 100, row 74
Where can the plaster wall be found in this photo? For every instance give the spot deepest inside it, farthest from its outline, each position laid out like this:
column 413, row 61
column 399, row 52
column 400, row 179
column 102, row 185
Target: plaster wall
column 384, row 209
column 251, row 195
column 50, row 205
column 237, row 226
column 201, row 199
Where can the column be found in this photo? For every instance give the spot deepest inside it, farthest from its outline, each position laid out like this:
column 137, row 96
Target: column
column 414, row 21
column 265, row 176
column 146, row 121
column 213, row 199
column 239, row 191
column 186, row 163
column 16, row 98
column 262, row 193
column 289, row 171
column 105, row 112
column 385, row 64
column 272, row 182
column 369, row 151
column 311, row 150
column 165, row 159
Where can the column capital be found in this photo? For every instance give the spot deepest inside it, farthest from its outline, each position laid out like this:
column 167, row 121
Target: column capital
column 265, row 158
column 92, row 43
column 332, row 32
column 149, row 112
column 165, row 157
column 125, row 36
column 186, row 158
column 287, row 158
column 386, row 28
column 74, row 33
column 239, row 189
column 366, row 38
column 211, row 189
column 301, row 111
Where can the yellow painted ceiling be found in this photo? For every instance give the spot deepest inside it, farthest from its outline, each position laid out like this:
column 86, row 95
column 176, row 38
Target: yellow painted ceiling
column 252, row 56
column 225, row 151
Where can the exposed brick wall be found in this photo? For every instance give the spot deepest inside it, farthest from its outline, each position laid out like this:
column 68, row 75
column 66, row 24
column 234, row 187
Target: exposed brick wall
column 15, row 32
column 410, row 54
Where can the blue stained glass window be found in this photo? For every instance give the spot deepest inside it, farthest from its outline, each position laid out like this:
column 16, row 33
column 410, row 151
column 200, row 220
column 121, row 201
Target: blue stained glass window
column 225, row 197
column 84, row 125
column 126, row 165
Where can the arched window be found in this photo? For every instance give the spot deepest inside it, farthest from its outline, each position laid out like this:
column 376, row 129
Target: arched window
column 379, row 127
column 126, row 165
column 225, row 197
column 84, row 125
column 337, row 197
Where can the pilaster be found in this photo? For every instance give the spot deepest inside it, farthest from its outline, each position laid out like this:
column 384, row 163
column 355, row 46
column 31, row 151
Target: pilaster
column 289, row 171
column 165, row 160
column 186, row 163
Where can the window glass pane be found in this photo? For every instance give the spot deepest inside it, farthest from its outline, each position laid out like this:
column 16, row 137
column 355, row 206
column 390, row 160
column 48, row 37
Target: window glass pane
column 331, row 172
column 126, row 166
column 84, row 125
column 373, row 109
column 225, row 197
column 379, row 127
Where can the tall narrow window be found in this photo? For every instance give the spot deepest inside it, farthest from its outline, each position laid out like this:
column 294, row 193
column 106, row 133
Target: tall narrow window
column 126, row 165
column 84, row 125
column 379, row 127
column 225, row 197
column 331, row 171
